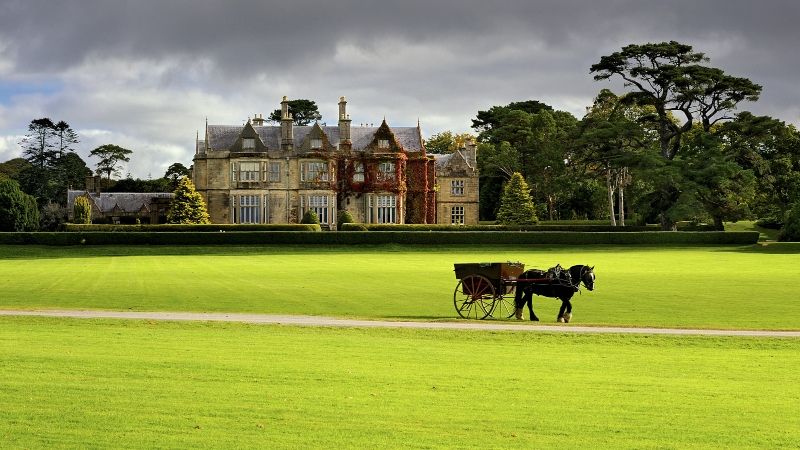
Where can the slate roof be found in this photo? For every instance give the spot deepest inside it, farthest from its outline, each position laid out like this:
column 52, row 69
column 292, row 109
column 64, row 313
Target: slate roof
column 127, row 201
column 222, row 137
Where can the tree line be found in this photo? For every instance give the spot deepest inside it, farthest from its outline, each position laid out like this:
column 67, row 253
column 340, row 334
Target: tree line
column 673, row 147
column 33, row 188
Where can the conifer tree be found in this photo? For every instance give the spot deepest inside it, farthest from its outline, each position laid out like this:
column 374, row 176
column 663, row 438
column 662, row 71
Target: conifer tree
column 188, row 206
column 516, row 204
column 82, row 210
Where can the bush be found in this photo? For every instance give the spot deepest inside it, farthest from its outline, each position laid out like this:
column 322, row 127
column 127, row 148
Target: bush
column 310, row 217
column 516, row 204
column 199, row 228
column 791, row 225
column 585, row 228
column 187, row 206
column 343, row 217
column 53, row 217
column 770, row 223
column 18, row 210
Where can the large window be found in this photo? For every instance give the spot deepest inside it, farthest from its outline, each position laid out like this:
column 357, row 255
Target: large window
column 457, row 215
column 314, row 171
column 386, row 171
column 248, row 143
column 248, row 171
column 319, row 204
column 247, row 209
column 387, row 209
column 274, row 172
column 457, row 187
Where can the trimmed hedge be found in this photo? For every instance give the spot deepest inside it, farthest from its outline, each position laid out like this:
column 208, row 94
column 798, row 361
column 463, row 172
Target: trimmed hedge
column 386, row 237
column 494, row 228
column 205, row 228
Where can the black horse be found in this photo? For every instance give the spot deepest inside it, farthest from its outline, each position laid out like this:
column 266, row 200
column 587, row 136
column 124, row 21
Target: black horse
column 555, row 282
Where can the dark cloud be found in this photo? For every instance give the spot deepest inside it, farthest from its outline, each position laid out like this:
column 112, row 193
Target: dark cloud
column 120, row 62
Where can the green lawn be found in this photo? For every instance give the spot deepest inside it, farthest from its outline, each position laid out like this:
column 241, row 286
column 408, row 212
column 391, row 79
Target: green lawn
column 714, row 287
column 136, row 384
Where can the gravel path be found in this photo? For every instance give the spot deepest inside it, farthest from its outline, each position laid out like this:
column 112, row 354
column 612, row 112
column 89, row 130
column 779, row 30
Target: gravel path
column 319, row 321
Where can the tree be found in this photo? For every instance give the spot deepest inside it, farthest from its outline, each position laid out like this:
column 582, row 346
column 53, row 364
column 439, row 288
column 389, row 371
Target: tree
column 110, row 156
column 66, row 137
column 302, row 111
column 447, row 142
column 38, row 145
column 18, row 210
column 668, row 77
column 13, row 167
column 791, row 225
column 188, row 206
column 82, row 210
column 175, row 172
column 516, row 205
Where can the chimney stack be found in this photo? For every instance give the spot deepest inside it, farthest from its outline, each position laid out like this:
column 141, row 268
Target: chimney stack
column 344, row 125
column 287, row 133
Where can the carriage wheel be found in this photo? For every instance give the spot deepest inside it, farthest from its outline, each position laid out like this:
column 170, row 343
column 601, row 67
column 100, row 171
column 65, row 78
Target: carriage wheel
column 504, row 307
column 474, row 297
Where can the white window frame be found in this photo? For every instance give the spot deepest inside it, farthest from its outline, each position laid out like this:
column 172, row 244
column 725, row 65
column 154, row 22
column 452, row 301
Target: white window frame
column 248, row 143
column 249, row 209
column 314, row 176
column 457, row 215
column 383, row 143
column 457, row 188
column 249, row 170
column 358, row 172
column 386, row 171
column 386, row 208
column 316, row 143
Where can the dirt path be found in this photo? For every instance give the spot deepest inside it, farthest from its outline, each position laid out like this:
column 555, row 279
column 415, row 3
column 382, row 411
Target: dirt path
column 319, row 321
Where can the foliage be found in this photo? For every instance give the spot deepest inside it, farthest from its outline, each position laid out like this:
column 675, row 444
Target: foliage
column 342, row 217
column 516, row 205
column 447, row 142
column 13, row 167
column 791, row 225
column 82, row 210
column 139, row 185
column 669, row 77
column 38, row 145
column 110, row 156
column 175, row 172
column 302, row 111
column 18, row 210
column 187, row 207
column 199, row 228
column 52, row 217
column 310, row 217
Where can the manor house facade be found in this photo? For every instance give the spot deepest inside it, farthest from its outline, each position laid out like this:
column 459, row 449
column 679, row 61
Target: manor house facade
column 273, row 174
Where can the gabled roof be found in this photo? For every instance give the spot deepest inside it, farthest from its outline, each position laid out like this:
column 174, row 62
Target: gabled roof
column 125, row 201
column 222, row 137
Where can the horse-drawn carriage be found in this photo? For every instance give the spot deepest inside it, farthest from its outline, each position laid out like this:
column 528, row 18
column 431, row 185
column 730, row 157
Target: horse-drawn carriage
column 485, row 289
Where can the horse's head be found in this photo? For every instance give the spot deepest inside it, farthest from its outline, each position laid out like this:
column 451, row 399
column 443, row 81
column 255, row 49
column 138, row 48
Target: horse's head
column 587, row 277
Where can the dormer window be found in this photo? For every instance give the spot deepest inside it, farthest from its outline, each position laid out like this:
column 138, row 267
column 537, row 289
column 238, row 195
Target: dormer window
column 386, row 171
column 316, row 143
column 248, row 144
column 383, row 143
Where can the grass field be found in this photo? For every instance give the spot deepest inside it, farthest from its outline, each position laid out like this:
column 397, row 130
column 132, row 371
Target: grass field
column 132, row 384
column 711, row 287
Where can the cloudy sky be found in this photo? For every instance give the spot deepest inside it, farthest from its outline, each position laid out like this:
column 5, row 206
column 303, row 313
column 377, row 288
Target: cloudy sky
column 145, row 74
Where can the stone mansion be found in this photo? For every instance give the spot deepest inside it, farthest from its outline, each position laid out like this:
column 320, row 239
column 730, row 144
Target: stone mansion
column 256, row 173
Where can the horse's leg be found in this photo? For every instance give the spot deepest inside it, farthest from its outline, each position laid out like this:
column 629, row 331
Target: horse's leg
column 568, row 314
column 561, row 311
column 519, row 303
column 529, row 301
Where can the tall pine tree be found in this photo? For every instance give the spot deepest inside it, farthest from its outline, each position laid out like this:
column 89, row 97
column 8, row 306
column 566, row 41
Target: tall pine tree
column 188, row 206
column 516, row 204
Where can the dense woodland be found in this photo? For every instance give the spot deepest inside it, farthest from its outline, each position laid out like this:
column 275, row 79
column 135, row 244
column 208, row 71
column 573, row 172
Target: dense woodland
column 676, row 145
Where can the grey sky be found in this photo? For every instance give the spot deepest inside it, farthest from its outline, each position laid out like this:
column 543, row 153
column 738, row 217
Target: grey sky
column 145, row 74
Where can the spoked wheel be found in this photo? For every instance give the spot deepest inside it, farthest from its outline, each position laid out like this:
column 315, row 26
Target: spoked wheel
column 504, row 307
column 474, row 297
